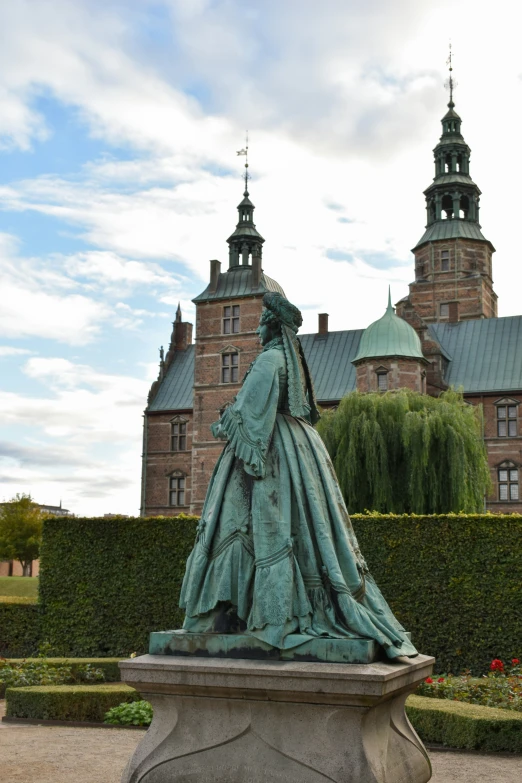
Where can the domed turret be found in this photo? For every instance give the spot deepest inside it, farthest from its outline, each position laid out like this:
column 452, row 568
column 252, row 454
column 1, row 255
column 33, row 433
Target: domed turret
column 389, row 336
column 390, row 356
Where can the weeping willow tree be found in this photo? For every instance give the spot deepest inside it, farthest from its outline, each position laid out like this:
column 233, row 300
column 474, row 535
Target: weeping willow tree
column 403, row 452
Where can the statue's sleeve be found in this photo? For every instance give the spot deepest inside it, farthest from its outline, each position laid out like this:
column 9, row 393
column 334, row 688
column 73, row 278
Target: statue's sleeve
column 248, row 423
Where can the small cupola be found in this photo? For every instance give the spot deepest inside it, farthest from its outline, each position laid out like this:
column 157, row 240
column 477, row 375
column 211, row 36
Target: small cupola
column 389, row 336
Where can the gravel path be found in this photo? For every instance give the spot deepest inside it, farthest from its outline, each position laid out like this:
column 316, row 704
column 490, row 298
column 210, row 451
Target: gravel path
column 61, row 755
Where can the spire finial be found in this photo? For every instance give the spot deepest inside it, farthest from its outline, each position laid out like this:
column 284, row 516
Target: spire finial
column 451, row 83
column 244, row 151
column 389, row 308
column 178, row 313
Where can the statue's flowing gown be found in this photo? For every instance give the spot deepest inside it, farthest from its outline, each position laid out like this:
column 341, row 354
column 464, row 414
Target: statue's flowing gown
column 275, row 540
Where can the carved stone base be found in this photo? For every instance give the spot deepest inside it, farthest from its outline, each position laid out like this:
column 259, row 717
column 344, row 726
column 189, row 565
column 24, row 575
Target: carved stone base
column 242, row 721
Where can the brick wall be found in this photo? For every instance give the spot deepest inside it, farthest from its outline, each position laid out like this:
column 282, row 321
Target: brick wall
column 500, row 449
column 161, row 462
column 210, row 393
column 401, row 374
column 466, row 286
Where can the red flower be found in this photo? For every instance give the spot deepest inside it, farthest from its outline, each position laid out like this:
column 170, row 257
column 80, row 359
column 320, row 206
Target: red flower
column 496, row 665
column 441, row 679
column 428, row 680
column 515, row 661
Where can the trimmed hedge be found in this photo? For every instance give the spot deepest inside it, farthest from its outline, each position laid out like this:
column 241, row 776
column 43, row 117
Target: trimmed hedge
column 67, row 702
column 453, row 580
column 105, row 584
column 20, row 628
column 468, row 726
column 109, row 666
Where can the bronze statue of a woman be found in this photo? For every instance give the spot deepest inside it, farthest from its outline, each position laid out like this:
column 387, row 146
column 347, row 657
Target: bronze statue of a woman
column 276, row 556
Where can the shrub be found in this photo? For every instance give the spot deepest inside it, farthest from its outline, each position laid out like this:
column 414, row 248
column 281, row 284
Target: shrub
column 38, row 671
column 105, row 584
column 20, row 627
column 466, row 726
column 67, row 702
column 108, row 666
column 453, row 580
column 501, row 687
column 139, row 713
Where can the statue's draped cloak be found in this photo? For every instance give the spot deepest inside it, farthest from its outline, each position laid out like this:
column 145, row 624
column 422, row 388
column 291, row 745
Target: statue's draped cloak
column 275, row 539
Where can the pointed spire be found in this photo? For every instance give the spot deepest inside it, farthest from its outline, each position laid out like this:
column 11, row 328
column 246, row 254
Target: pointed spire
column 389, row 309
column 178, row 314
column 451, row 83
column 246, row 242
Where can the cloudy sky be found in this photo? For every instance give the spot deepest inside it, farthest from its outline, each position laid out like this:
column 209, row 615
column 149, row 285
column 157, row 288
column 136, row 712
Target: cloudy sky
column 119, row 125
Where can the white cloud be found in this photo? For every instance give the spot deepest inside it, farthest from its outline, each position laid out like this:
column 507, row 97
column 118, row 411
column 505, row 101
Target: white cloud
column 9, row 350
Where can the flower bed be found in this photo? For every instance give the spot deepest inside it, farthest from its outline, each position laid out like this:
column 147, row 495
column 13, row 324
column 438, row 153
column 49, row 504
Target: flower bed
column 501, row 687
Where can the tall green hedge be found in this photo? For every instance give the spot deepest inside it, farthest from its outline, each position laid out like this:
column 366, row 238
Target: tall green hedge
column 454, row 581
column 19, row 627
column 105, row 584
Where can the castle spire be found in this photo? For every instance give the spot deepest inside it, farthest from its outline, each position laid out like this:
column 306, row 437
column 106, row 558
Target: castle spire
column 245, row 244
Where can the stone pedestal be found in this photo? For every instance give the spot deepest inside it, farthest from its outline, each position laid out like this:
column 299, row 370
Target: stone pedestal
column 244, row 721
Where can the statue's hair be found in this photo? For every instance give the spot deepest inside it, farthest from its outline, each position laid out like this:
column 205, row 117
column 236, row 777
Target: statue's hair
column 281, row 310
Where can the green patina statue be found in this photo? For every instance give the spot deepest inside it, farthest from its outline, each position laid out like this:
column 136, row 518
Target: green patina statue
column 276, row 557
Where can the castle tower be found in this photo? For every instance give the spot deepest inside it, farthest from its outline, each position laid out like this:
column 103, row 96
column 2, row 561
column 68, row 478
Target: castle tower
column 390, row 356
column 227, row 316
column 453, row 259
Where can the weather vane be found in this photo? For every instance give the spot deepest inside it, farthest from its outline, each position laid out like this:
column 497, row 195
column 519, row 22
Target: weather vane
column 244, row 151
column 451, row 83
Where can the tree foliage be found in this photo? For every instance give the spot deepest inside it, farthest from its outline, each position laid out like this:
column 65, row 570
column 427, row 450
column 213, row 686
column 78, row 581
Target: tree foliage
column 20, row 530
column 404, row 452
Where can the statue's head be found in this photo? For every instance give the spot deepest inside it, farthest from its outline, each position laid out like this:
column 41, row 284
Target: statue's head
column 278, row 311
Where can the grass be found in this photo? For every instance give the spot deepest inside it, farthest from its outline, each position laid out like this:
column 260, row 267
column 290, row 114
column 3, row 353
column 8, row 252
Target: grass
column 19, row 586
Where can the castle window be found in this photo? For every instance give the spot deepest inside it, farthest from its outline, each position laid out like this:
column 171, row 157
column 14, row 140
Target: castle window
column 508, row 482
column 507, row 421
column 229, row 367
column 178, row 435
column 177, row 491
column 444, row 261
column 231, row 319
column 382, row 381
column 444, row 310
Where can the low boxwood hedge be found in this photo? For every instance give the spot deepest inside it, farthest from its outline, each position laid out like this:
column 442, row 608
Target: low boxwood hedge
column 469, row 726
column 67, row 702
column 20, row 627
column 109, row 666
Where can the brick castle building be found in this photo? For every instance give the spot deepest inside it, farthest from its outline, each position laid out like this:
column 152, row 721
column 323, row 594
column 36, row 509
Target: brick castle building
column 444, row 333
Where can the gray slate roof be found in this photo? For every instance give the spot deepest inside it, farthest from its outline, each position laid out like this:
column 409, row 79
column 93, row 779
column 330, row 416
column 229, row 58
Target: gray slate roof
column 486, row 354
column 330, row 361
column 176, row 389
column 237, row 282
column 451, row 229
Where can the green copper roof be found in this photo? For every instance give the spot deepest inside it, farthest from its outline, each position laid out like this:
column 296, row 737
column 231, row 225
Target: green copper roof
column 486, row 354
column 237, row 282
column 452, row 229
column 389, row 336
